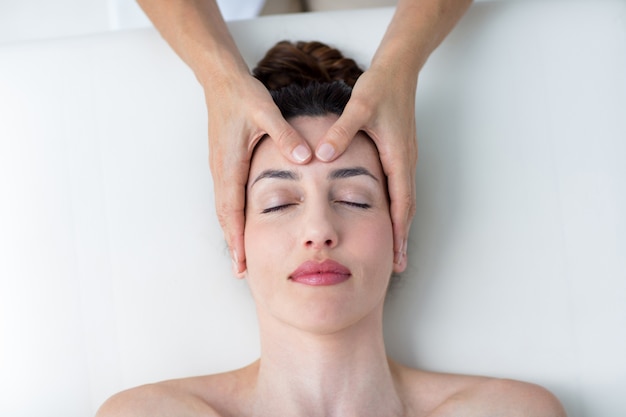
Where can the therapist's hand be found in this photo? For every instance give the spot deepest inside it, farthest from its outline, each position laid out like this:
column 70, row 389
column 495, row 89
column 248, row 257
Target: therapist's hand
column 383, row 103
column 383, row 106
column 241, row 112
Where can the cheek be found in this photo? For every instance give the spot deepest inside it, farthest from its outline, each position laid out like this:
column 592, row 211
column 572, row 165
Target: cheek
column 266, row 246
column 374, row 245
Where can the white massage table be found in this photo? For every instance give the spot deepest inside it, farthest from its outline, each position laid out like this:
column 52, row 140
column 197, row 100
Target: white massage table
column 114, row 272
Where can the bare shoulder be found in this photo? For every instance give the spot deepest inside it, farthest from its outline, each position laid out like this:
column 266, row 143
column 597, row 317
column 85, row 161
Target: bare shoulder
column 159, row 399
column 219, row 395
column 443, row 395
column 505, row 397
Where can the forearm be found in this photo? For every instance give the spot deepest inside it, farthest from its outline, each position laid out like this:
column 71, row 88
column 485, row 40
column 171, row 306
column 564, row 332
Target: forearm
column 417, row 28
column 196, row 31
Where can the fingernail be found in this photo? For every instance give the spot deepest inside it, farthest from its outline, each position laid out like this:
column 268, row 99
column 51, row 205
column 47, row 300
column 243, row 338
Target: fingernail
column 301, row 153
column 399, row 244
column 400, row 253
column 397, row 257
column 325, row 152
column 235, row 267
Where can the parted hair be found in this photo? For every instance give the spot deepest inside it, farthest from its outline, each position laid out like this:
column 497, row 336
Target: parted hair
column 307, row 78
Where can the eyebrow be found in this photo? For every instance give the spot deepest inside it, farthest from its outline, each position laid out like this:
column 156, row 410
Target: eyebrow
column 276, row 173
column 293, row 176
column 350, row 172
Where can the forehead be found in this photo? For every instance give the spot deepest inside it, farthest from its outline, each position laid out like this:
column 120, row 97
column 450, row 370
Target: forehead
column 361, row 150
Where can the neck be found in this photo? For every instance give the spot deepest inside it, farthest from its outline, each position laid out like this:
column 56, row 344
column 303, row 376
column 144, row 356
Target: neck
column 340, row 373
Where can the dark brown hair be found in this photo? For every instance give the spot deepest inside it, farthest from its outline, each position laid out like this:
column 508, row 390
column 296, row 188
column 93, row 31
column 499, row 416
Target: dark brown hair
column 302, row 63
column 307, row 78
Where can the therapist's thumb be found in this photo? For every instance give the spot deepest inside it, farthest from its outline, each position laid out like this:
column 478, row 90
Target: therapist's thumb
column 288, row 140
column 338, row 137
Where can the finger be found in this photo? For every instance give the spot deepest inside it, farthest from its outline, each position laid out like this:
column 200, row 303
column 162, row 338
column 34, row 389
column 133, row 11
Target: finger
column 400, row 170
column 230, row 204
column 288, row 140
column 340, row 134
column 232, row 221
column 402, row 193
column 236, row 244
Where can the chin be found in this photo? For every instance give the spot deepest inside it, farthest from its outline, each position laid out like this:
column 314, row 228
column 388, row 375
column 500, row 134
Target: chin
column 332, row 315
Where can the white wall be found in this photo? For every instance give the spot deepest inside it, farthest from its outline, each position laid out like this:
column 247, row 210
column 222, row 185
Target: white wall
column 113, row 270
column 39, row 19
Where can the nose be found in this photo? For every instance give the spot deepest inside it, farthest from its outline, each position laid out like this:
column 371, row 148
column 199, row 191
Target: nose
column 320, row 231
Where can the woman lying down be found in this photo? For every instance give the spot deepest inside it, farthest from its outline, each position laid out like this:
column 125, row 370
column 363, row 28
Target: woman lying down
column 319, row 287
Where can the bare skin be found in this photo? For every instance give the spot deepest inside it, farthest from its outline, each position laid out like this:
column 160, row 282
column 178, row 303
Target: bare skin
column 240, row 107
column 420, row 394
column 322, row 348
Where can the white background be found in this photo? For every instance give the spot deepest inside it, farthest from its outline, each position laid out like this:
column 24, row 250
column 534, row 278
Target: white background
column 113, row 270
column 37, row 19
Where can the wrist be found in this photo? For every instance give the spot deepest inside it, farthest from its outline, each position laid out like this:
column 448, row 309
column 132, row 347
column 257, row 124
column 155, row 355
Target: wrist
column 218, row 69
column 400, row 70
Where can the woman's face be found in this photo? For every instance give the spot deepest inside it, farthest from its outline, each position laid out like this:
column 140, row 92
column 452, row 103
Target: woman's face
column 318, row 237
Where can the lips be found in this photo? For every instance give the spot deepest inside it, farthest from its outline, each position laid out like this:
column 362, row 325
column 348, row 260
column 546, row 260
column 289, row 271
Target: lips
column 314, row 273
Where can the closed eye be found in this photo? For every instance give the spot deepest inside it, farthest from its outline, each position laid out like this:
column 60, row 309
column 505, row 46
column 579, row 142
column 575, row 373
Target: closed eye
column 276, row 208
column 353, row 204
